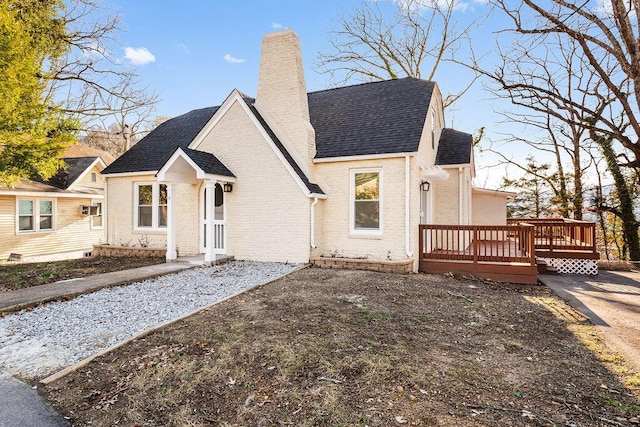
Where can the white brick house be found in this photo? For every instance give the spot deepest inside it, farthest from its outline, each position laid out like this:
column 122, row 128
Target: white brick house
column 292, row 175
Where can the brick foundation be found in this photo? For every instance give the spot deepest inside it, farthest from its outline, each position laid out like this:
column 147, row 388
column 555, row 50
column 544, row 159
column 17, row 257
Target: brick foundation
column 403, row 267
column 126, row 251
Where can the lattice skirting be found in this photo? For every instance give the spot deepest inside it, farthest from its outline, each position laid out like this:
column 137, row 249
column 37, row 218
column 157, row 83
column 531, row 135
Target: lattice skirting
column 574, row 266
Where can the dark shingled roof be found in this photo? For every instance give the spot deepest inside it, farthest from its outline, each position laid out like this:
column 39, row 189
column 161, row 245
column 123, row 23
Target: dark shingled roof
column 454, row 148
column 150, row 153
column 74, row 168
column 370, row 118
column 207, row 162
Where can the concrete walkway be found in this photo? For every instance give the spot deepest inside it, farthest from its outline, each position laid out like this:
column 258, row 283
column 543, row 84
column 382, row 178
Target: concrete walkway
column 611, row 300
column 35, row 295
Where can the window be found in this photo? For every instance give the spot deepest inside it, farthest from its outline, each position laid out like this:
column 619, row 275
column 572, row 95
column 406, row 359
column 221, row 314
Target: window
column 93, row 177
column 35, row 215
column 150, row 205
column 366, row 205
column 96, row 220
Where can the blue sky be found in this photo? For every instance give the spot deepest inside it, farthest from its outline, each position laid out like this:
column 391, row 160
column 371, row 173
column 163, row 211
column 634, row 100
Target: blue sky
column 194, row 52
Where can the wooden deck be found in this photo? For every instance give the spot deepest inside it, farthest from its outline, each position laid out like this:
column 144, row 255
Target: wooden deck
column 503, row 253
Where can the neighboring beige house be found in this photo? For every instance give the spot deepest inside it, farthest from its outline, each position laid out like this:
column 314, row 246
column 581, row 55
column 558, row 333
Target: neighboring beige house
column 291, row 175
column 58, row 219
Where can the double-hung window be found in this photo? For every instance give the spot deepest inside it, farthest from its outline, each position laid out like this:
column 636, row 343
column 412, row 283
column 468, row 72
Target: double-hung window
column 150, row 211
column 366, row 201
column 36, row 215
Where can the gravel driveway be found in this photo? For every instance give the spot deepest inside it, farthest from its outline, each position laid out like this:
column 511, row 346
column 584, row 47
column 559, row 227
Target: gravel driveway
column 49, row 338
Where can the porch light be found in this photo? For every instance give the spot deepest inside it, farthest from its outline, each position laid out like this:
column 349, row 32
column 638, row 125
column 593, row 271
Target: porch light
column 227, row 187
column 425, row 185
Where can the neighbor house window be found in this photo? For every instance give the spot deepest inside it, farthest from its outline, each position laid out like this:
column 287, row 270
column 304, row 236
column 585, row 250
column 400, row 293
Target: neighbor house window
column 96, row 220
column 150, row 205
column 366, row 201
column 35, row 215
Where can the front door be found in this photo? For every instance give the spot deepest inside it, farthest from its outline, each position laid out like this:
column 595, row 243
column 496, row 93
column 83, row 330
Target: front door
column 213, row 214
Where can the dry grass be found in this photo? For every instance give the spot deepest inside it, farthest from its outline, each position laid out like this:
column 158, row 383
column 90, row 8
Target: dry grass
column 617, row 265
column 23, row 275
column 346, row 348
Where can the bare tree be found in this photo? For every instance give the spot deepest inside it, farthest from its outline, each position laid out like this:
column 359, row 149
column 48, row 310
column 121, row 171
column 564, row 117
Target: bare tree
column 592, row 55
column 90, row 81
column 399, row 39
column 558, row 130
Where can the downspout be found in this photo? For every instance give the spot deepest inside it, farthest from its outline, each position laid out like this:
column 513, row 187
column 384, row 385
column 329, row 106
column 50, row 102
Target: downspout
column 460, row 196
column 105, row 210
column 313, row 222
column 407, row 187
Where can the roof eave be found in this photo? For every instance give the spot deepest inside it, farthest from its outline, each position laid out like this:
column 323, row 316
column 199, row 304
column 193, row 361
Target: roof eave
column 364, row 157
column 455, row 166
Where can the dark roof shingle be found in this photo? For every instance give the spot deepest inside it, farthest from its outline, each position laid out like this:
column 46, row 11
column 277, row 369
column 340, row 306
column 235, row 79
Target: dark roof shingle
column 371, row 118
column 74, row 167
column 454, row 148
column 208, row 162
column 155, row 149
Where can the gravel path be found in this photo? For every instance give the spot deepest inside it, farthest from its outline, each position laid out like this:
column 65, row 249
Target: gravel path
column 40, row 342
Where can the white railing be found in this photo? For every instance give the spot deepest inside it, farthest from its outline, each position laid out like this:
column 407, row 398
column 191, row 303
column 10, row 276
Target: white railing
column 219, row 237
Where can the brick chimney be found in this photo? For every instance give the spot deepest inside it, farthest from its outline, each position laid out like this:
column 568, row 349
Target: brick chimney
column 282, row 96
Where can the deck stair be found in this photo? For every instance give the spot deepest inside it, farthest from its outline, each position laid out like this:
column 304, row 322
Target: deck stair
column 544, row 268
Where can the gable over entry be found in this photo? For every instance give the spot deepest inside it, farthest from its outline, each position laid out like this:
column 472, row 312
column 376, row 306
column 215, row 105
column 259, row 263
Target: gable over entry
column 187, row 166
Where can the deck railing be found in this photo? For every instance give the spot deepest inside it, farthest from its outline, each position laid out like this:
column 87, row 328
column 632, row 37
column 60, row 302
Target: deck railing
column 554, row 235
column 478, row 244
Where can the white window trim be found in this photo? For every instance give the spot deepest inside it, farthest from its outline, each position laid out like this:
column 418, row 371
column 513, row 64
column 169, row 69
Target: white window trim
column 155, row 198
column 94, row 202
column 36, row 215
column 352, row 197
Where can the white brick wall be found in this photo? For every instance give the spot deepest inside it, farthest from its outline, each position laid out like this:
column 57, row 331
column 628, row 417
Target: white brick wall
column 120, row 214
column 187, row 204
column 268, row 215
column 446, row 195
column 335, row 235
column 282, row 96
column 489, row 209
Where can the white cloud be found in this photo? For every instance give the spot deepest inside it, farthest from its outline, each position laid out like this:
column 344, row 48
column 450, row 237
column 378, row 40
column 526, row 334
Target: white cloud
column 276, row 26
column 233, row 60
column 184, row 48
column 139, row 56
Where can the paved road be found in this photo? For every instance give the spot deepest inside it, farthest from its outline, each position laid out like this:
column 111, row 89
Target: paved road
column 611, row 300
column 21, row 405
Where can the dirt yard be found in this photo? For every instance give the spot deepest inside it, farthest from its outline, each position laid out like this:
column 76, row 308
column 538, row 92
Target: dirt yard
column 18, row 276
column 352, row 348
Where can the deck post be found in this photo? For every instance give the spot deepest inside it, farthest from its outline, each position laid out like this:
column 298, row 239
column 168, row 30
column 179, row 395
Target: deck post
column 531, row 243
column 476, row 246
column 421, row 230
